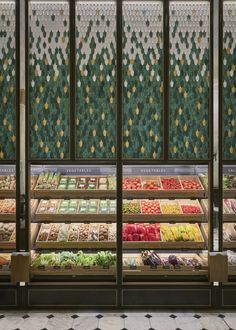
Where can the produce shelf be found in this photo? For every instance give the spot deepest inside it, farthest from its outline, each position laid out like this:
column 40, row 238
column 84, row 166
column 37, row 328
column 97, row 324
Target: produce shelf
column 126, row 245
column 75, row 245
column 179, row 190
column 74, row 217
column 134, row 266
column 164, row 193
column 7, row 194
column 231, row 270
column 7, row 245
column 229, row 245
column 43, row 193
column 165, row 210
column 229, row 193
column 177, row 245
column 229, row 217
column 73, row 271
column 7, row 217
column 174, row 218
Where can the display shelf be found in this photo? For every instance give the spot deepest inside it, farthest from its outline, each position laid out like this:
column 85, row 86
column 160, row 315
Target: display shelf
column 73, row 271
column 74, row 218
column 143, row 216
column 5, row 264
column 133, row 266
column 73, row 264
column 8, row 217
column 162, row 245
column 72, row 193
column 229, row 193
column 8, row 245
column 140, row 245
column 75, row 210
column 166, row 187
column 229, row 236
column 164, row 194
column 75, row 245
column 7, row 193
column 204, row 204
column 229, row 217
column 232, row 270
column 167, row 218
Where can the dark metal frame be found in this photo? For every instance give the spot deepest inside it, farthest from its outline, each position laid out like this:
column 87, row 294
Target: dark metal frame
column 228, row 291
column 16, row 160
column 120, row 287
column 10, row 295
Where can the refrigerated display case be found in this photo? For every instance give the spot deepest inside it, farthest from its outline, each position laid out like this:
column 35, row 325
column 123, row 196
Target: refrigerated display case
column 9, row 148
column 227, row 163
column 165, row 231
column 119, row 170
column 73, row 223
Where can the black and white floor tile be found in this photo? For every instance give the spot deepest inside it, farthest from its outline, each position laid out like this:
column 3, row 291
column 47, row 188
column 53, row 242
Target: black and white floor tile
column 130, row 320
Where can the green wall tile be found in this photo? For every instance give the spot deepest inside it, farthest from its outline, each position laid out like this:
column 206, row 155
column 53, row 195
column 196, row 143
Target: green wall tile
column 7, row 82
column 142, row 80
column 49, row 80
column 229, row 81
column 189, row 80
column 96, row 79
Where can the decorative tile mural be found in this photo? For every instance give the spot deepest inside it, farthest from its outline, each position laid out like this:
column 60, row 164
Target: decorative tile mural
column 229, row 80
column 49, row 79
column 189, row 80
column 96, row 79
column 142, row 80
column 7, row 81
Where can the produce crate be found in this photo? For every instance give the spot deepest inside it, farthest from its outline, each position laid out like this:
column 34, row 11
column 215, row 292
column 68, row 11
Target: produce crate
column 192, row 216
column 75, row 193
column 191, row 245
column 5, row 264
column 162, row 192
column 8, row 210
column 10, row 244
column 165, row 217
column 66, row 243
column 204, row 203
column 229, row 215
column 205, row 186
column 73, row 217
column 34, row 179
column 229, row 243
column 194, row 192
column 151, row 183
column 170, row 208
column 164, row 270
column 232, row 270
column 204, row 230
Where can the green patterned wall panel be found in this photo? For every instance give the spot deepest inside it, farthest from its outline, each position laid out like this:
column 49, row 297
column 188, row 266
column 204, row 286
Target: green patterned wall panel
column 7, row 82
column 49, row 80
column 96, row 79
column 142, row 80
column 229, row 80
column 189, row 80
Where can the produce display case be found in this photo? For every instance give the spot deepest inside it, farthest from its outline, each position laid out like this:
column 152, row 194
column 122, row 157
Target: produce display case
column 73, row 225
column 176, row 225
column 227, row 158
column 116, row 161
column 10, row 232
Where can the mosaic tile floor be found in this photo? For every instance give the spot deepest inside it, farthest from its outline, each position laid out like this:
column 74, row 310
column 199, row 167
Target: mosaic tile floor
column 151, row 320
